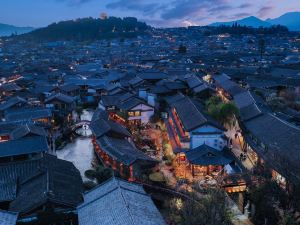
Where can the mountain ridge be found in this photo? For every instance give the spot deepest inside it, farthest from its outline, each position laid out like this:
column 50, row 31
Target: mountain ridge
column 291, row 20
column 7, row 29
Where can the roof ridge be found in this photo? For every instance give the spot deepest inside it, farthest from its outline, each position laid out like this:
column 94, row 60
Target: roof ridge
column 126, row 205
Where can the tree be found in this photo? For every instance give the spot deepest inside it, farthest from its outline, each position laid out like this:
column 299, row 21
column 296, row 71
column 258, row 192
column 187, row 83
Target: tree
column 209, row 209
column 267, row 198
column 214, row 100
column 87, row 29
column 289, row 219
column 103, row 174
column 220, row 111
column 228, row 111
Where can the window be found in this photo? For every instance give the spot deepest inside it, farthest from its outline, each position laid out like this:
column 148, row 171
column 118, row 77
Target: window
column 137, row 113
column 130, row 113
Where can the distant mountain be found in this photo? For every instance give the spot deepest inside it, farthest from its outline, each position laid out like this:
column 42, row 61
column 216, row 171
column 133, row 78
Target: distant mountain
column 251, row 21
column 86, row 29
column 7, row 30
column 291, row 20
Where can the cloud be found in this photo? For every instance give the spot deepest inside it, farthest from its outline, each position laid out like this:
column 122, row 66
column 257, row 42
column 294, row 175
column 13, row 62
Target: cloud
column 184, row 12
column 74, row 2
column 219, row 9
column 136, row 5
column 264, row 11
column 245, row 5
column 192, row 8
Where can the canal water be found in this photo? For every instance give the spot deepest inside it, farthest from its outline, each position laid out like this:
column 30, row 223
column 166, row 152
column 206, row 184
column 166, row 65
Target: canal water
column 80, row 151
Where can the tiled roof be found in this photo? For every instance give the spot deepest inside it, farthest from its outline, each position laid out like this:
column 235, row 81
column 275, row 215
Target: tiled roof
column 249, row 112
column 27, row 145
column 243, row 99
column 69, row 87
column 194, row 82
column 110, row 100
column 282, row 141
column 60, row 97
column 7, row 127
column 9, row 87
column 11, row 102
column 118, row 202
column 28, row 184
column 152, row 76
column 23, row 130
column 121, row 150
column 131, row 103
column 191, row 114
column 8, row 218
column 205, row 155
column 28, row 114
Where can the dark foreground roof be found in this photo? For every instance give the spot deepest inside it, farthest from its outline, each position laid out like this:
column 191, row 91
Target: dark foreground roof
column 281, row 141
column 118, row 202
column 30, row 184
column 205, row 155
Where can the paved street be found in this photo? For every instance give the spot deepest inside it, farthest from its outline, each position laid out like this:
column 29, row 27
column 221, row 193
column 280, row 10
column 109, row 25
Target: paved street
column 237, row 149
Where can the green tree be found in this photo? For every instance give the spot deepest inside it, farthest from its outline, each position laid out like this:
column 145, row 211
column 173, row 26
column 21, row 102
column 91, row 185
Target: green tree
column 220, row 111
column 228, row 111
column 214, row 100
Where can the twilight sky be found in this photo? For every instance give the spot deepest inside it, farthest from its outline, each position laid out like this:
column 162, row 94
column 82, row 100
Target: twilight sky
column 160, row 13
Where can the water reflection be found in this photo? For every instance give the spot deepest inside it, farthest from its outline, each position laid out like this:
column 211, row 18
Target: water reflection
column 87, row 114
column 80, row 152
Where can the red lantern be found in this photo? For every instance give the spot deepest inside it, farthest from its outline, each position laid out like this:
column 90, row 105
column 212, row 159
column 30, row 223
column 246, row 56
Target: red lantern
column 182, row 158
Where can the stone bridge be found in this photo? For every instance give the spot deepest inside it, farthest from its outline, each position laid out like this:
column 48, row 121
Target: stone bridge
column 80, row 124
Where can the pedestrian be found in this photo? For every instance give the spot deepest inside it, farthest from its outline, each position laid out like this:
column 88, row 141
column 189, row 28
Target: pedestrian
column 241, row 156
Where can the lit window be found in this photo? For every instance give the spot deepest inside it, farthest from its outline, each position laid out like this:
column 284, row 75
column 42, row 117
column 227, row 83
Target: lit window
column 137, row 113
column 130, row 113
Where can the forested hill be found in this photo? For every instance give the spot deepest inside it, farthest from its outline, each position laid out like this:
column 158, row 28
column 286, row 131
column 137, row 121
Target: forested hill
column 89, row 29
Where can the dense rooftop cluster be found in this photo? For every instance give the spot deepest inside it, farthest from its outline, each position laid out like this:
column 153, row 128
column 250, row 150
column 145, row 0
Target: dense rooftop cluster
column 137, row 84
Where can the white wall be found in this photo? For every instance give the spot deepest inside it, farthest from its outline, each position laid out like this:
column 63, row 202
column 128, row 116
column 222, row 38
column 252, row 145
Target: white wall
column 199, row 137
column 146, row 113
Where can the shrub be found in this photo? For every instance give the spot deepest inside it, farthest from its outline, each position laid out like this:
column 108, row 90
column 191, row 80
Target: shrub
column 157, row 177
column 91, row 174
column 88, row 185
